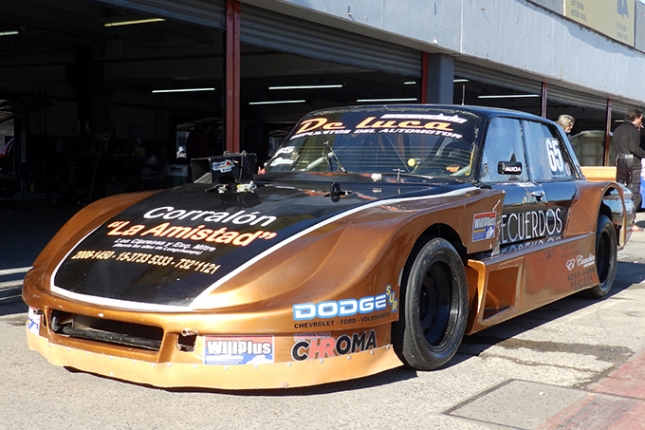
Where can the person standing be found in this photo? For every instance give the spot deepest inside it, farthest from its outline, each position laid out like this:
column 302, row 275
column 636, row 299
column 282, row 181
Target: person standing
column 198, row 141
column 567, row 122
column 626, row 140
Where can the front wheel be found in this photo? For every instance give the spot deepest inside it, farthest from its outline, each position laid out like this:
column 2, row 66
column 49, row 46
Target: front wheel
column 606, row 257
column 434, row 308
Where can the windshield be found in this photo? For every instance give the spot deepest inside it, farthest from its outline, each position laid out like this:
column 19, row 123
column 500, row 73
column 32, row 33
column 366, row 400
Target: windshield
column 428, row 143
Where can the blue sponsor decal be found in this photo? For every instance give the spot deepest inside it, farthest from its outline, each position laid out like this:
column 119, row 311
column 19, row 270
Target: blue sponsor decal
column 484, row 226
column 227, row 350
column 33, row 321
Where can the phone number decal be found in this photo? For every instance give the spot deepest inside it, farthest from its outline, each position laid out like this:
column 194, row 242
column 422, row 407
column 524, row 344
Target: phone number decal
column 151, row 259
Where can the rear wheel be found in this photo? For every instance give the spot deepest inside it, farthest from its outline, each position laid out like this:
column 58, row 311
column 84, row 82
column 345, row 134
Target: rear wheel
column 434, row 307
column 606, row 257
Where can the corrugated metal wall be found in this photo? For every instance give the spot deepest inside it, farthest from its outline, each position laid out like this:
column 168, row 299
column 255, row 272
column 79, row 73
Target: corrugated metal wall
column 285, row 33
column 205, row 13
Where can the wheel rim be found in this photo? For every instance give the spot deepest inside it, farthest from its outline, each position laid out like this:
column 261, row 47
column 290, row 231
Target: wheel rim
column 602, row 257
column 435, row 302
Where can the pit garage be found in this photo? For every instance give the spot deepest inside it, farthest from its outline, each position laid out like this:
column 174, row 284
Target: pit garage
column 98, row 97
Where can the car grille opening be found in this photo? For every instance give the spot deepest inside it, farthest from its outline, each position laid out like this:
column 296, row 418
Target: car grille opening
column 106, row 331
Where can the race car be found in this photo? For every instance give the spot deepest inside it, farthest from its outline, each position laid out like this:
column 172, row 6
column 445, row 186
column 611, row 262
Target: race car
column 375, row 237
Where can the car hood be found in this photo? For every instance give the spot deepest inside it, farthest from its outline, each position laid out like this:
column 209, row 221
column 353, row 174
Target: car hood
column 174, row 245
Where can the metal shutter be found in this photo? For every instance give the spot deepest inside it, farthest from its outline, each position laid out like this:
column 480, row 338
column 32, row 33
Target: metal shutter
column 267, row 29
column 554, row 92
column 205, row 13
column 576, row 98
column 491, row 76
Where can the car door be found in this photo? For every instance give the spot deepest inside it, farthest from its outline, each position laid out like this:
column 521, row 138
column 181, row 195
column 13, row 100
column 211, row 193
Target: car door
column 504, row 167
column 550, row 166
column 534, row 171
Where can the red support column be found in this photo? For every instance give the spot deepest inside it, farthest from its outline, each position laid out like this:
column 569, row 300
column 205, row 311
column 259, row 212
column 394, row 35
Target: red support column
column 424, row 77
column 605, row 154
column 232, row 61
column 543, row 99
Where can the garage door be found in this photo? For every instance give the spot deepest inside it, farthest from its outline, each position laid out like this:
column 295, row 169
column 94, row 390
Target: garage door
column 207, row 14
column 284, row 33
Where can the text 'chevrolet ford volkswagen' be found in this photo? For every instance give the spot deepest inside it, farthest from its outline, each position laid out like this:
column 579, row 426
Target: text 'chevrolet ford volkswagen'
column 376, row 236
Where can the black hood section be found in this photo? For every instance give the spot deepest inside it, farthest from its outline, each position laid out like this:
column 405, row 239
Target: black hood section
column 170, row 247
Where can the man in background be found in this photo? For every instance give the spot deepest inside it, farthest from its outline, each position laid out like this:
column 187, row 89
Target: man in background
column 626, row 140
column 203, row 141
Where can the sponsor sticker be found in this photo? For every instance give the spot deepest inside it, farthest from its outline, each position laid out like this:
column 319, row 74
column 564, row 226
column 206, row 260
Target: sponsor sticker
column 484, row 226
column 33, row 321
column 531, row 225
column 223, row 166
column 346, row 307
column 418, row 124
column 314, row 346
column 581, row 278
column 189, row 233
column 580, row 261
column 152, row 259
column 233, row 350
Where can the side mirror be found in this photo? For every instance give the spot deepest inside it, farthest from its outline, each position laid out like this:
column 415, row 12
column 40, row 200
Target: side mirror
column 509, row 168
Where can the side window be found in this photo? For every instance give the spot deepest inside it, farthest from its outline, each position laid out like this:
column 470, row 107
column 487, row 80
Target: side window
column 503, row 143
column 546, row 154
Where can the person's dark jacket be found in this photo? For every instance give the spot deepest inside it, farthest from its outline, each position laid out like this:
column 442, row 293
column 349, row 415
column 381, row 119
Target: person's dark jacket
column 626, row 140
column 197, row 143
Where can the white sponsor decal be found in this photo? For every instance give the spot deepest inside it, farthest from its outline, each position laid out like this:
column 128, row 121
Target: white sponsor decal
column 580, row 261
column 238, row 218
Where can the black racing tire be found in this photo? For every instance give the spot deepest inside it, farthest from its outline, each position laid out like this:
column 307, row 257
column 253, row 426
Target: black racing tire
column 606, row 257
column 434, row 307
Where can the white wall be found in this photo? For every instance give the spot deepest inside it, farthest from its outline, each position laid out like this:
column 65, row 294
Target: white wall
column 513, row 35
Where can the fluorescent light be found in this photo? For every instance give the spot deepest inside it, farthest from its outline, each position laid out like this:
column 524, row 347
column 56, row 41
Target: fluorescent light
column 454, row 80
column 131, row 21
column 9, row 33
column 386, row 100
column 509, row 96
column 306, row 87
column 184, row 90
column 276, row 102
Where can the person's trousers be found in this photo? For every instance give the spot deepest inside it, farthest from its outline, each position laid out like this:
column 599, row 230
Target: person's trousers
column 635, row 188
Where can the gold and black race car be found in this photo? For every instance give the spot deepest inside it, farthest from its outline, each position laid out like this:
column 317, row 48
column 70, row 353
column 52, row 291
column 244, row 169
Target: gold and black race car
column 375, row 237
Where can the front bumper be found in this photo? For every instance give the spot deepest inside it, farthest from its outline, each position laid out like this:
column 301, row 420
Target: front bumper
column 229, row 377
column 230, row 361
